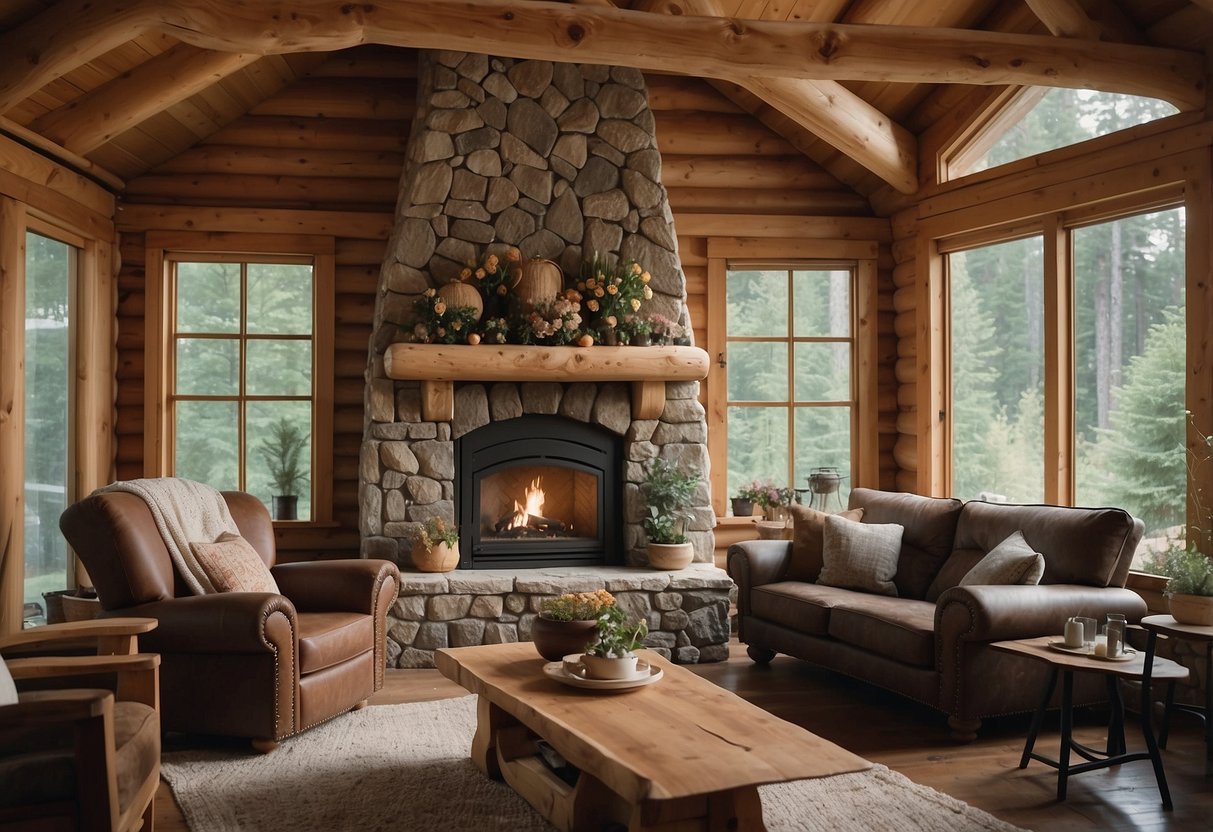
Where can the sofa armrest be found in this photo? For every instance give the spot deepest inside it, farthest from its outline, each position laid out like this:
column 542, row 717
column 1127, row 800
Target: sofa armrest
column 752, row 563
column 338, row 585
column 997, row 613
column 223, row 622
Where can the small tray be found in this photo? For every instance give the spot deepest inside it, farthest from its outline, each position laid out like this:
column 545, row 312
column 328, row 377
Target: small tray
column 1060, row 646
column 646, row 674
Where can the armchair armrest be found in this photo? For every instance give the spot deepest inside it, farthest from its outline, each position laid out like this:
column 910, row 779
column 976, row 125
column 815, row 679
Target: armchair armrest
column 51, row 706
column 113, row 636
column 337, row 585
column 752, row 563
column 996, row 613
column 224, row 622
column 138, row 673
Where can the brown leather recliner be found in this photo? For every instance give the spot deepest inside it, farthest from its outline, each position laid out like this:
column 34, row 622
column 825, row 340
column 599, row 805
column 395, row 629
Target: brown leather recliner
column 243, row 664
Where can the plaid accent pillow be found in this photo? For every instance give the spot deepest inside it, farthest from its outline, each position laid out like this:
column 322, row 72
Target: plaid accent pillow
column 233, row 565
column 860, row 556
column 1011, row 562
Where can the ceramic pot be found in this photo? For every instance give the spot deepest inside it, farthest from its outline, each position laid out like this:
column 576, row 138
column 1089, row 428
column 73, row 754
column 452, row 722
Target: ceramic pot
column 556, row 639
column 1191, row 609
column 670, row 555
column 438, row 558
column 598, row 667
column 286, row 507
column 742, row 507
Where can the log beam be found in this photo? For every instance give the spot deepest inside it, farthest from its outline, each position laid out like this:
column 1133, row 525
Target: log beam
column 1066, row 18
column 70, row 34
column 167, row 79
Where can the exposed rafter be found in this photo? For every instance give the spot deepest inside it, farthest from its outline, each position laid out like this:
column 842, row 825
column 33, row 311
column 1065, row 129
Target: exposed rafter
column 170, row 77
column 68, row 35
column 1066, row 18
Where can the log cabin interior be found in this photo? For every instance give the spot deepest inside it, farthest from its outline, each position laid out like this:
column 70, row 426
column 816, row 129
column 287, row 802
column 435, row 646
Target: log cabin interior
column 999, row 305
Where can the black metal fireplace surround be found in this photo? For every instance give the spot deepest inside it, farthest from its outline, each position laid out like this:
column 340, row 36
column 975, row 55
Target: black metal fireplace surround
column 577, row 466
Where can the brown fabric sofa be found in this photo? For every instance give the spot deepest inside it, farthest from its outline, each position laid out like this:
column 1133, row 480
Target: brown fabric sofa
column 931, row 643
column 244, row 664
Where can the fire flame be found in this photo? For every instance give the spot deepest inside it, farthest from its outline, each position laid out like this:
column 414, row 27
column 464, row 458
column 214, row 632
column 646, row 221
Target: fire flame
column 533, row 507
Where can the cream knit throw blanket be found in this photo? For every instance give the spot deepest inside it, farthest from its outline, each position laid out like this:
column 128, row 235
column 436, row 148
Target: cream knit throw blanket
column 185, row 512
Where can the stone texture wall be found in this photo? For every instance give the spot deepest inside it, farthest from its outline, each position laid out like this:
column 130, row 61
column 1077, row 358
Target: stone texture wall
column 560, row 160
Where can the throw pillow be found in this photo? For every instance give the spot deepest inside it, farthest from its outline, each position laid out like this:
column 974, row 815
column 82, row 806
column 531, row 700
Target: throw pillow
column 233, row 565
column 8, row 690
column 1011, row 562
column 808, row 535
column 860, row 556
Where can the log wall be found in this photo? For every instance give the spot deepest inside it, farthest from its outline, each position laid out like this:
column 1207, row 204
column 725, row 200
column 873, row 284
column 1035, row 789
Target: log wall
column 323, row 156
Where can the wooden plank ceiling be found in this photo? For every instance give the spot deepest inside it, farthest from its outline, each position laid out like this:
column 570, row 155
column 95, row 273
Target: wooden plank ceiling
column 151, row 98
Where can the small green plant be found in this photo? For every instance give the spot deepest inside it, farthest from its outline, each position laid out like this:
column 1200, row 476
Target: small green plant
column 436, row 531
column 667, row 495
column 577, row 606
column 1190, row 571
column 617, row 637
column 282, row 452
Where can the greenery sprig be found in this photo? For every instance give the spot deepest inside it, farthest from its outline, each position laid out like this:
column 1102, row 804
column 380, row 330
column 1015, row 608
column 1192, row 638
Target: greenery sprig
column 617, row 638
column 435, row 531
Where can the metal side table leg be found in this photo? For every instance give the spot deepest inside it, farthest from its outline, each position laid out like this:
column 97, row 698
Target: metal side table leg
column 1038, row 718
column 1147, row 727
column 1067, row 731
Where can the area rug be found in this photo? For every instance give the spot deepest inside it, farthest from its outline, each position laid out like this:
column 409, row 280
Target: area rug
column 407, row 767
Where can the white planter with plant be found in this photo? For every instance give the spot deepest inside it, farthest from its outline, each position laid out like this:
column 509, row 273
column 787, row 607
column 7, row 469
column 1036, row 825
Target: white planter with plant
column 282, row 452
column 612, row 656
column 1190, row 588
column 667, row 494
column 436, row 548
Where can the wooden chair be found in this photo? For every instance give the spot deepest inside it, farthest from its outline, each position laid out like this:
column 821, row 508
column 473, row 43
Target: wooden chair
column 81, row 758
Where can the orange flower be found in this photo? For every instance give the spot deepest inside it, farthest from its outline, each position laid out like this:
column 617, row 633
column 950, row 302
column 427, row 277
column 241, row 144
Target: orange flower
column 513, row 255
column 465, row 274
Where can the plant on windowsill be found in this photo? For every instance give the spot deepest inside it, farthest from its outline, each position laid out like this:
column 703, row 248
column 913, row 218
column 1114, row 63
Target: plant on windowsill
column 612, row 656
column 667, row 494
column 436, row 547
column 772, row 499
column 566, row 623
column 282, row 452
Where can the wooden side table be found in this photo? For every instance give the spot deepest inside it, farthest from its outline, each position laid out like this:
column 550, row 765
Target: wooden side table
column 1065, row 664
column 1166, row 625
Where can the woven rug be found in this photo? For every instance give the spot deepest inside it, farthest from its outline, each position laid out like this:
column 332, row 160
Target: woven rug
column 407, row 767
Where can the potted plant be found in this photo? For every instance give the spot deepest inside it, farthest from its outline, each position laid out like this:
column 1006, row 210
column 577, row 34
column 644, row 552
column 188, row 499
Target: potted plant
column 566, row 624
column 667, row 494
column 282, row 452
column 1190, row 588
column 436, row 548
column 771, row 498
column 746, row 499
column 612, row 656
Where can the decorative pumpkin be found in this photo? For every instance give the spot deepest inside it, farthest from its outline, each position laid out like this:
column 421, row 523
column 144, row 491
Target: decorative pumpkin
column 462, row 294
column 541, row 281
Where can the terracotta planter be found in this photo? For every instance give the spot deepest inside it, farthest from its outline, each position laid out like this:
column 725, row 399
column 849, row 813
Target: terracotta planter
column 556, row 639
column 439, row 558
column 600, row 667
column 1192, row 609
column 670, row 555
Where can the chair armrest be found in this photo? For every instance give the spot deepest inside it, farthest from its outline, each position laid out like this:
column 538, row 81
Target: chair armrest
column 116, row 635
column 996, row 613
column 50, row 706
column 138, row 673
column 223, row 622
column 752, row 563
column 337, row 585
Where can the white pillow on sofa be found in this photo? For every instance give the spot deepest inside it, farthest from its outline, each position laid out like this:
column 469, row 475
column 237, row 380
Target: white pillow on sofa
column 1011, row 562
column 860, row 556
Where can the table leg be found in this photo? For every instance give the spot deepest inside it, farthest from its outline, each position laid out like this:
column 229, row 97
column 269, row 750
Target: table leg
column 1116, row 718
column 1038, row 717
column 1208, row 708
column 1147, row 719
column 1067, row 731
column 489, row 718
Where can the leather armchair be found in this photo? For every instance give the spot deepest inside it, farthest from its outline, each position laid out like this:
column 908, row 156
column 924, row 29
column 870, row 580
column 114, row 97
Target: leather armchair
column 81, row 758
column 283, row 662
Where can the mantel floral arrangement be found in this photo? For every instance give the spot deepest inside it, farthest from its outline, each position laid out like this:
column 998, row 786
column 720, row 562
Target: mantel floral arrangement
column 603, row 307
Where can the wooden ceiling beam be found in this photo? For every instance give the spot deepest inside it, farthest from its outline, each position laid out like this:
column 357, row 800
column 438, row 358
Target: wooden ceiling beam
column 117, row 106
column 72, row 33
column 1066, row 18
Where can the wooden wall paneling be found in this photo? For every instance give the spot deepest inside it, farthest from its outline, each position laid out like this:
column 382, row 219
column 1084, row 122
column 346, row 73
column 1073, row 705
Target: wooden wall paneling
column 762, row 173
column 716, row 134
column 714, row 387
column 841, row 201
column 818, row 227
column 219, row 189
column 1198, row 397
column 12, row 413
column 156, row 316
column 45, row 185
column 361, row 225
column 867, row 393
column 271, row 161
column 322, row 388
column 929, row 394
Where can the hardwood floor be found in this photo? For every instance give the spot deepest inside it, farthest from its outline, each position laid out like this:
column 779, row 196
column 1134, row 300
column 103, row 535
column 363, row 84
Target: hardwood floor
column 913, row 740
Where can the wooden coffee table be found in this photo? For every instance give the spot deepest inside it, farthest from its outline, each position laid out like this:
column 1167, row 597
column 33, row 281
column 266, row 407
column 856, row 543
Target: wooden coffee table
column 679, row 754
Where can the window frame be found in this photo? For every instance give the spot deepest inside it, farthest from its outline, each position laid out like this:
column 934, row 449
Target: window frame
column 164, row 250
column 860, row 257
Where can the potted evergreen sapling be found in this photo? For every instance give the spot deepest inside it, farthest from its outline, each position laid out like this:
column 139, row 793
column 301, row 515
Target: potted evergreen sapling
column 282, row 452
column 667, row 494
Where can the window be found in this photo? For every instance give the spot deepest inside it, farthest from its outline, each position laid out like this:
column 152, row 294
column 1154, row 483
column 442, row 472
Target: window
column 242, row 376
column 997, row 363
column 791, row 391
column 50, row 272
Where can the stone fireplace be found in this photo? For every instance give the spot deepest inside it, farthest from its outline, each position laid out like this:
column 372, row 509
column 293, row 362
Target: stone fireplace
column 561, row 161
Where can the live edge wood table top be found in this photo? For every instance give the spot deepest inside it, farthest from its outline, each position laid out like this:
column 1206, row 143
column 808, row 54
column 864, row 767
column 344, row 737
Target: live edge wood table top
column 681, row 753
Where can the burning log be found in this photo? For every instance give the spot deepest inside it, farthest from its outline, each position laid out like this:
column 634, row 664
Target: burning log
column 518, row 519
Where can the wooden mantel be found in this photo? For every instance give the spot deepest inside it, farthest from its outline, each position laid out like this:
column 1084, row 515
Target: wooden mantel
column 438, row 366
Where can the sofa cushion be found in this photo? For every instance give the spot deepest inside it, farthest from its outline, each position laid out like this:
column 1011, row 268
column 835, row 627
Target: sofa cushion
column 1087, row 546
column 329, row 638
column 1011, row 562
column 901, row 629
column 808, row 536
column 930, row 528
column 860, row 556
column 797, row 605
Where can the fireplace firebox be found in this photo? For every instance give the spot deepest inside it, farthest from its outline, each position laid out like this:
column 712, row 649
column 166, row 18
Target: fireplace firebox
column 538, row 491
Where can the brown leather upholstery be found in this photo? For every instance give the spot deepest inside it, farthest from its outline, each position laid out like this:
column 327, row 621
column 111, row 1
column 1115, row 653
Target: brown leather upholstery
column 937, row 650
column 258, row 665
